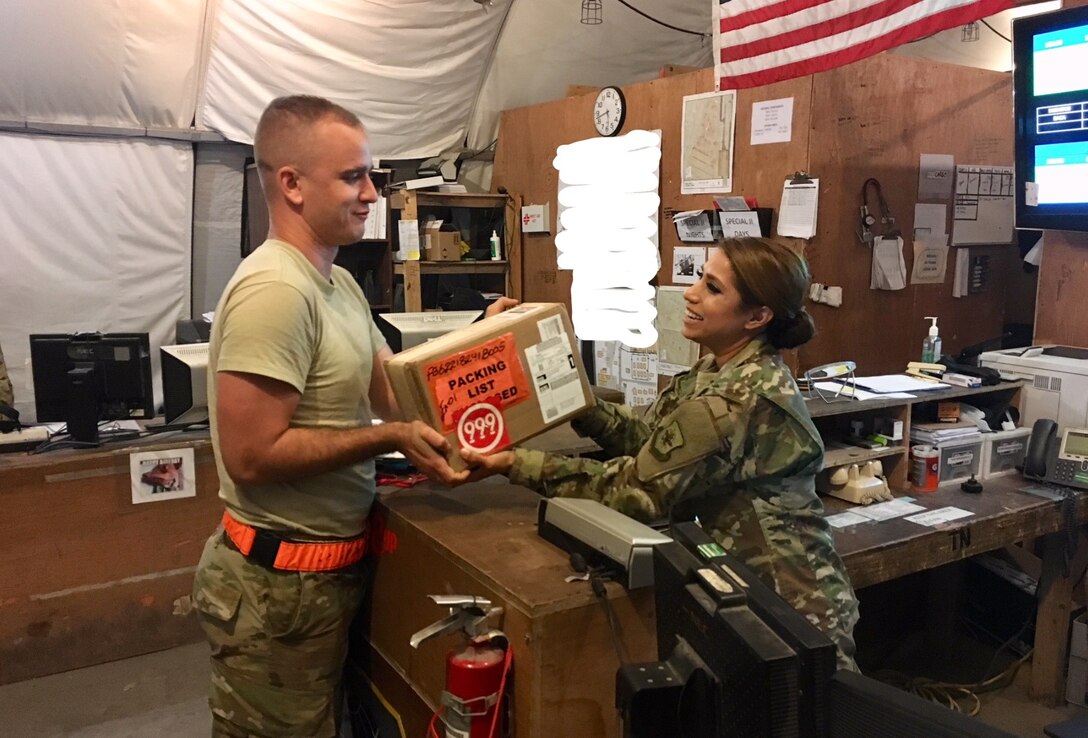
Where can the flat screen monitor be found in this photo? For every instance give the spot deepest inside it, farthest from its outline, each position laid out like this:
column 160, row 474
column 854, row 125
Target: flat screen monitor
column 185, row 383
column 84, row 378
column 1050, row 101
column 405, row 330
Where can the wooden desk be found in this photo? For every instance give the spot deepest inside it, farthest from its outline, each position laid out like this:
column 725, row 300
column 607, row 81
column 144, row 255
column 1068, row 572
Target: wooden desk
column 481, row 539
column 86, row 576
column 1003, row 515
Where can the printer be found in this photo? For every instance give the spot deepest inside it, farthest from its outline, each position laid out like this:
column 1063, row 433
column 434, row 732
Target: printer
column 1056, row 382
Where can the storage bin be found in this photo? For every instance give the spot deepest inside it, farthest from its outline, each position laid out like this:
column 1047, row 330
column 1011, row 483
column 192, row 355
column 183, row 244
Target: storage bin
column 959, row 460
column 1004, row 451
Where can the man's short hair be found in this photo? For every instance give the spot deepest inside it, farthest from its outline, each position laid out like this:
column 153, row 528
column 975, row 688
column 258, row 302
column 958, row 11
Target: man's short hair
column 284, row 121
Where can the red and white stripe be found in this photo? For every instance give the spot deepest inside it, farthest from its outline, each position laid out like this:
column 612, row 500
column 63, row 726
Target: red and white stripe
column 758, row 43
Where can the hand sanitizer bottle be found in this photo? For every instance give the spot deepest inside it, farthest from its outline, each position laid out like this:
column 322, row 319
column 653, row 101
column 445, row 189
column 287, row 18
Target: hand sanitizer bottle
column 496, row 255
column 931, row 347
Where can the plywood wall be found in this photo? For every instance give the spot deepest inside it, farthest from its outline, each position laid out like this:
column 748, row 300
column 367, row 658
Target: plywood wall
column 874, row 119
column 871, row 119
column 1063, row 290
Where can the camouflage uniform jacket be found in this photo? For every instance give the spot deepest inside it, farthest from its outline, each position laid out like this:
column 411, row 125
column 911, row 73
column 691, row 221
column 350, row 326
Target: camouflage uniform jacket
column 737, row 448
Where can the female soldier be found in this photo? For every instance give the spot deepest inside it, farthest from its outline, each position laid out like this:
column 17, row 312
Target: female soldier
column 729, row 440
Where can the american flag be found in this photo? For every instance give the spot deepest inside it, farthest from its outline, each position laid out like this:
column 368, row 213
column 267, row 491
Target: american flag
column 759, row 42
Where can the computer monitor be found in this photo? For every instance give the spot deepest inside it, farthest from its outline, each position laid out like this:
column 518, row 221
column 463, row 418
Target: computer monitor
column 1050, row 104
column 83, row 378
column 818, row 654
column 405, row 330
column 723, row 670
column 185, row 383
column 734, row 663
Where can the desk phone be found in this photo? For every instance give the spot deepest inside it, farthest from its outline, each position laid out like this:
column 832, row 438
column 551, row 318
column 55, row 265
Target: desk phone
column 1062, row 462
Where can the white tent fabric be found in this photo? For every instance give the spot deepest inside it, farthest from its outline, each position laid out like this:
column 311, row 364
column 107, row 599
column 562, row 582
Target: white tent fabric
column 544, row 47
column 114, row 64
column 95, row 236
column 410, row 69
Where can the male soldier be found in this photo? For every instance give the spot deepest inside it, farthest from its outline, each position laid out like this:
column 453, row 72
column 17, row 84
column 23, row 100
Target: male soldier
column 295, row 373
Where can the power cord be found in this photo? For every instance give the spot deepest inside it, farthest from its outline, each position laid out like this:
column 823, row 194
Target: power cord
column 596, row 580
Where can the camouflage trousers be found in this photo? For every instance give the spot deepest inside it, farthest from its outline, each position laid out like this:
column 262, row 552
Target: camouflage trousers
column 279, row 640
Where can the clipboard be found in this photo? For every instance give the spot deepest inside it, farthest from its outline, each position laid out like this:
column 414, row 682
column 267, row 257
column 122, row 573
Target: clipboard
column 800, row 198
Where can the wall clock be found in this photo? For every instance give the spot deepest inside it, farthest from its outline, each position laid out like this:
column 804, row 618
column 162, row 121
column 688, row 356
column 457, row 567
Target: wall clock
column 609, row 111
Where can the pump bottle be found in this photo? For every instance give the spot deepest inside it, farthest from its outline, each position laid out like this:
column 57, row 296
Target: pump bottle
column 931, row 346
column 496, row 255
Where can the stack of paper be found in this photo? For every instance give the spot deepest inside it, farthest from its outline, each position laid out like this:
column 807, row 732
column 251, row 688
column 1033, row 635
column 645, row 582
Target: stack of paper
column 935, row 433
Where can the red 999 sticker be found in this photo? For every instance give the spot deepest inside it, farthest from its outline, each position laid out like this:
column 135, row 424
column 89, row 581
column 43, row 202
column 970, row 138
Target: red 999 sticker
column 482, row 428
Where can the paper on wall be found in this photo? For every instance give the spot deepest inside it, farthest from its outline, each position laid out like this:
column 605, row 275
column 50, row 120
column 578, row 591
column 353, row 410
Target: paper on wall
column 984, row 205
column 798, row 213
column 935, row 177
column 606, row 364
column 693, row 225
column 772, row 121
column 889, row 270
column 686, row 263
column 740, row 224
column 929, row 221
column 675, row 353
column 930, row 261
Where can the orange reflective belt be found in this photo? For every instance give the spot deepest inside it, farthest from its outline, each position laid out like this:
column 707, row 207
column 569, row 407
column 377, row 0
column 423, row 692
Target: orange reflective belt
column 298, row 555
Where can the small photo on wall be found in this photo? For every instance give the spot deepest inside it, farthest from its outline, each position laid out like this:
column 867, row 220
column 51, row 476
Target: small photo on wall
column 162, row 475
column 687, row 262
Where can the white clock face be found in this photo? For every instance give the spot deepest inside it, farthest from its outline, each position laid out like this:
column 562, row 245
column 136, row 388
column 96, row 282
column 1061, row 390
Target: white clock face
column 609, row 111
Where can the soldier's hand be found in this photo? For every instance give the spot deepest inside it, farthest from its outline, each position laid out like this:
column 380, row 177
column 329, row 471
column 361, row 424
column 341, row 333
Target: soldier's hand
column 500, row 305
column 426, row 449
column 481, row 466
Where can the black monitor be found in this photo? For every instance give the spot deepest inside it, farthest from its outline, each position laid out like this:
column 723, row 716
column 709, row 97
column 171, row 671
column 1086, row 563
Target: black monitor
column 185, row 383
column 1050, row 101
column 736, row 663
column 83, row 378
column 817, row 653
column 723, row 671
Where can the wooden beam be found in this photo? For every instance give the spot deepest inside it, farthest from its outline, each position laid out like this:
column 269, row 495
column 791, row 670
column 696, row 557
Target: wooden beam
column 579, row 90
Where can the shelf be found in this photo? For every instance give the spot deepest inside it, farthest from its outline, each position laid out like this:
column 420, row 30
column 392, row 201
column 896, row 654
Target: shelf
column 456, row 267
column 817, row 408
column 834, row 457
column 449, row 199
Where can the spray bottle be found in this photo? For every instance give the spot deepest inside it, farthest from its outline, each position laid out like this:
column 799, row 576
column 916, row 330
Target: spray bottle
column 496, row 254
column 931, row 346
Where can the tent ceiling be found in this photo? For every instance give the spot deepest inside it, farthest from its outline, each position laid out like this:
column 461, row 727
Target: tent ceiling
column 422, row 74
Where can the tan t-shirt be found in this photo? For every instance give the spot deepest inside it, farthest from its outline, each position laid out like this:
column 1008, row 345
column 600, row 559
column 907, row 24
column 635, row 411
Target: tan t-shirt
column 279, row 318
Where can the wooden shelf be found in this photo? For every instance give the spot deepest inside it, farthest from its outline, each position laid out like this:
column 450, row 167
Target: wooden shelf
column 456, row 267
column 856, row 455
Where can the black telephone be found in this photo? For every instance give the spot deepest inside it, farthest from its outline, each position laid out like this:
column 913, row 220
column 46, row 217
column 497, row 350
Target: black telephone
column 1062, row 462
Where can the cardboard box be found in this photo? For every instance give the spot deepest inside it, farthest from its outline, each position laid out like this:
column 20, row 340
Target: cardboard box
column 497, row 382
column 443, row 245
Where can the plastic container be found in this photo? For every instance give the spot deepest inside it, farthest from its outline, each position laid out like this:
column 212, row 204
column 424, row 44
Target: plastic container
column 931, row 346
column 960, row 460
column 1004, row 451
column 496, row 251
column 924, row 468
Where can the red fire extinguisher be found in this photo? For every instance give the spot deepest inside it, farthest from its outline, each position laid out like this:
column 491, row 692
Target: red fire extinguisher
column 476, row 671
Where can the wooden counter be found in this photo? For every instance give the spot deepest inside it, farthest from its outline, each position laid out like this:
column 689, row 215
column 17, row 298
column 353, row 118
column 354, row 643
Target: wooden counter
column 481, row 539
column 86, row 576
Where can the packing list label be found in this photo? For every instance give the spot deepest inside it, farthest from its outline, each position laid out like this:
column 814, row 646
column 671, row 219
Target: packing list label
column 489, row 374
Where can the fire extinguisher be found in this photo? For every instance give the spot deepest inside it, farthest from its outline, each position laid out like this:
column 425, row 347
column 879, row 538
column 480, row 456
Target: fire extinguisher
column 476, row 670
